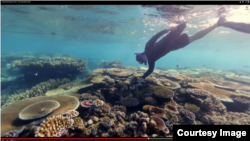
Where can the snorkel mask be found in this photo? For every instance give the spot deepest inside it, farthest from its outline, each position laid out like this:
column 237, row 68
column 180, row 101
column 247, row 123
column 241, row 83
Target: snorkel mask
column 144, row 60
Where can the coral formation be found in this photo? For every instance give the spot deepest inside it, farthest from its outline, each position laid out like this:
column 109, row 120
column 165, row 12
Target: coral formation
column 120, row 72
column 171, row 108
column 231, row 86
column 213, row 104
column 10, row 113
column 78, row 123
column 150, row 100
column 38, row 109
column 156, row 111
column 181, row 96
column 238, row 79
column 146, row 108
column 87, row 103
column 161, row 91
column 98, row 80
column 119, row 108
column 198, row 93
column 153, row 80
column 129, row 101
column 54, row 126
column 105, row 108
column 98, row 70
column 170, row 84
column 159, row 123
column 72, row 113
column 38, row 90
column 219, row 93
column 111, row 64
column 40, row 69
column 192, row 107
column 106, row 122
column 187, row 114
column 241, row 102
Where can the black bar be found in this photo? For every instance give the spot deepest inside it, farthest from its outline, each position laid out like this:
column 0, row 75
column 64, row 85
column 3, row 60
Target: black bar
column 121, row 2
column 65, row 139
column 214, row 132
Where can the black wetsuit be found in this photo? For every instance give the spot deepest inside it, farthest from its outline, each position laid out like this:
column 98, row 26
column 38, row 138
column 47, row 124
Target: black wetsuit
column 173, row 41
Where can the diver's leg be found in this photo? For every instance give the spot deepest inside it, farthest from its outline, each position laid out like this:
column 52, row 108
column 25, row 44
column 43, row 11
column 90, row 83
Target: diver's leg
column 241, row 27
column 171, row 38
column 181, row 42
column 202, row 33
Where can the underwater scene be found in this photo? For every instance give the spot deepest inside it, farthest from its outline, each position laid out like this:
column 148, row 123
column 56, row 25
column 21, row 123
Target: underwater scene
column 122, row 70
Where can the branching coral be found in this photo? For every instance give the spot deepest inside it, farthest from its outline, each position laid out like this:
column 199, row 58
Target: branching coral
column 72, row 113
column 54, row 126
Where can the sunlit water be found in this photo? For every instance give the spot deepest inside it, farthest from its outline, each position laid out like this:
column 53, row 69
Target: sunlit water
column 85, row 32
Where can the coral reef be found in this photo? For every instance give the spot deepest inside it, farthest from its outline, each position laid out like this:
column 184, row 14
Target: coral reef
column 11, row 113
column 238, row 79
column 37, row 70
column 129, row 101
column 110, row 103
column 241, row 102
column 213, row 104
column 78, row 123
column 87, row 103
column 72, row 113
column 38, row 90
column 54, row 126
column 192, row 107
column 171, row 108
column 188, row 114
column 169, row 84
column 156, row 111
column 111, row 64
column 119, row 108
column 161, row 91
column 198, row 93
column 38, row 110
column 219, row 93
column 150, row 100
column 117, row 72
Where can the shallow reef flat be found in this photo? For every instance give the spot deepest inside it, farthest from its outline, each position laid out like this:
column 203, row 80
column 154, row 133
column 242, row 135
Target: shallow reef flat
column 110, row 102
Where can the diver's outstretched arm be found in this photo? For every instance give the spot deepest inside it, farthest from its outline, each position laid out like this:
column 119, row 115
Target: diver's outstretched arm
column 202, row 33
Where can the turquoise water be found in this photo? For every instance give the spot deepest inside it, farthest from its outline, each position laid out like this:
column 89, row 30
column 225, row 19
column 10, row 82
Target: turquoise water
column 83, row 32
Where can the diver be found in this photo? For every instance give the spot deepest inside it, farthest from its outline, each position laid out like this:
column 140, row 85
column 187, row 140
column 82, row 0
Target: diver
column 241, row 27
column 174, row 40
